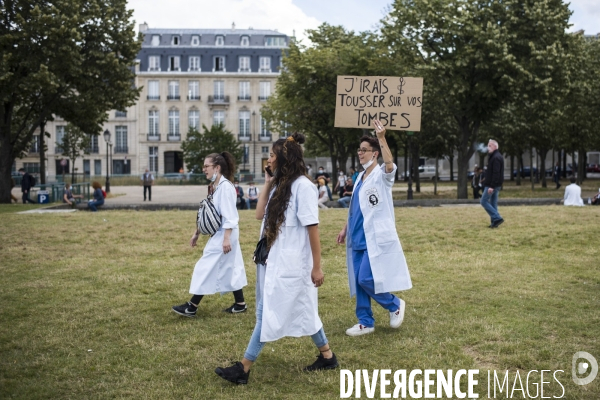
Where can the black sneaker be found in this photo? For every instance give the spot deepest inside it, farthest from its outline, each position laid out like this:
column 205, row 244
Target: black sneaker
column 323, row 363
column 234, row 374
column 187, row 309
column 236, row 308
column 497, row 223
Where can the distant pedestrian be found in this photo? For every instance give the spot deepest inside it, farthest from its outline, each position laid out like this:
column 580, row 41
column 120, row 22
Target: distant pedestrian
column 322, row 190
column 26, row 185
column 346, row 195
column 475, row 182
column 325, row 176
column 573, row 194
column 12, row 196
column 252, row 195
column 341, row 181
column 147, row 181
column 494, row 178
column 240, row 202
column 98, row 199
column 556, row 175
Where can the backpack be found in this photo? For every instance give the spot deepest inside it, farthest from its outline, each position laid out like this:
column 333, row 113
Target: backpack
column 32, row 180
column 103, row 193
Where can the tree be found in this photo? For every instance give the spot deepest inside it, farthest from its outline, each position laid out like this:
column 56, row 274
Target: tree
column 70, row 58
column 478, row 53
column 74, row 144
column 198, row 145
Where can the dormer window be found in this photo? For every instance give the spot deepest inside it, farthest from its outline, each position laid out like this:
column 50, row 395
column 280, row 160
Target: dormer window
column 175, row 40
column 195, row 40
column 245, row 41
column 219, row 41
column 155, row 40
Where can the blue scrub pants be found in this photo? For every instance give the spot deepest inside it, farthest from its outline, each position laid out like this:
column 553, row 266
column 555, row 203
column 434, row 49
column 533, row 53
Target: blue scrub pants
column 365, row 290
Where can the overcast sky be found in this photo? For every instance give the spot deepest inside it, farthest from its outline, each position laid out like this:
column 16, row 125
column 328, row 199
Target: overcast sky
column 288, row 16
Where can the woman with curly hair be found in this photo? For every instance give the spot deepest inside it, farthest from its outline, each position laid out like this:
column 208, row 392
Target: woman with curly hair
column 286, row 285
column 221, row 268
column 98, row 199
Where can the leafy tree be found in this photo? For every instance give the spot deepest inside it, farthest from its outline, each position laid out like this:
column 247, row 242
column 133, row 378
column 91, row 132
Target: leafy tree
column 217, row 139
column 70, row 58
column 74, row 144
column 478, row 53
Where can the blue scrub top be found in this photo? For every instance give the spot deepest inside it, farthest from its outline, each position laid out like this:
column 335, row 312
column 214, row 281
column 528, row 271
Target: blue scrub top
column 356, row 230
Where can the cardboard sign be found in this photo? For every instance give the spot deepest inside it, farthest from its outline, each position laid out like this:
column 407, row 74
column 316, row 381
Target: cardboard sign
column 395, row 101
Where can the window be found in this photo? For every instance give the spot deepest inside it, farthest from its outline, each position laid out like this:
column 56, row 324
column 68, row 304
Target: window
column 121, row 167
column 195, row 40
column 193, row 90
column 35, row 145
column 153, row 159
column 155, row 40
column 219, row 90
column 153, row 122
column 265, row 90
column 245, row 41
column 97, row 167
column 174, row 122
column 153, row 90
column 154, row 63
column 244, row 90
column 245, row 123
column 86, row 167
column 60, row 133
column 218, row 117
column 32, row 167
column 174, row 63
column 93, row 144
column 244, row 64
column 275, row 41
column 194, row 63
column 120, row 114
column 194, row 119
column 219, row 41
column 173, row 90
column 265, row 149
column 265, row 64
column 219, row 64
column 264, row 128
column 175, row 40
column 121, row 139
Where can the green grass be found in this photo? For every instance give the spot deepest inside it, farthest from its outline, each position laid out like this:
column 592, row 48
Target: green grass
column 86, row 301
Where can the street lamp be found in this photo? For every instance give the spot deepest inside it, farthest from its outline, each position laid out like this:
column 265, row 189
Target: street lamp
column 409, row 193
column 253, row 145
column 107, row 140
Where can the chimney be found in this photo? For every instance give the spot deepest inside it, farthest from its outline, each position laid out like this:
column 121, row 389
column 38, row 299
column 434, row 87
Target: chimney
column 144, row 27
column 233, row 26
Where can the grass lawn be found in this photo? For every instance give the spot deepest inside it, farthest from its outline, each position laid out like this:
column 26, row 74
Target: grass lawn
column 86, row 297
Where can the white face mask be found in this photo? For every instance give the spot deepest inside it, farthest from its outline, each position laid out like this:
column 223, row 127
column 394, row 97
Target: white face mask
column 70, row 187
column 368, row 164
column 214, row 177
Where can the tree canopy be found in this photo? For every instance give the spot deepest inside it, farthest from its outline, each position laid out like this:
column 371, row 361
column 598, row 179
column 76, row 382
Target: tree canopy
column 198, row 145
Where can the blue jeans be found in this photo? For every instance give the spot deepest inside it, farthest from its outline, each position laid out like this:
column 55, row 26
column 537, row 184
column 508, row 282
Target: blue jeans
column 344, row 201
column 94, row 204
column 255, row 345
column 365, row 290
column 490, row 203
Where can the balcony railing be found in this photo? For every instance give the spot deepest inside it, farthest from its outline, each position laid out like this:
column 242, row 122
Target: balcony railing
column 264, row 70
column 153, row 97
column 58, row 150
column 194, row 97
column 244, row 137
column 121, row 149
column 93, row 150
column 263, row 98
column 218, row 99
column 154, row 137
column 245, row 97
column 265, row 137
column 174, row 138
column 173, row 97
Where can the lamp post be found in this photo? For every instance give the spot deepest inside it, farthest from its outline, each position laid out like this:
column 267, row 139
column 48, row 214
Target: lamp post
column 107, row 140
column 409, row 193
column 253, row 146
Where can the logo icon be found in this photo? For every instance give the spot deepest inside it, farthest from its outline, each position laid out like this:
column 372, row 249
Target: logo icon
column 581, row 367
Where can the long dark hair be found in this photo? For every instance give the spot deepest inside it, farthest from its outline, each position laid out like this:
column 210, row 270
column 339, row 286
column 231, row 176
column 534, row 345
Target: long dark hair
column 290, row 166
column 226, row 161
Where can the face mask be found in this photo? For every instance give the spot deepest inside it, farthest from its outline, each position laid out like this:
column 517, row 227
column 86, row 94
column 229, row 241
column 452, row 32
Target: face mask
column 341, row 173
column 320, row 170
column 70, row 187
column 214, row 177
column 367, row 165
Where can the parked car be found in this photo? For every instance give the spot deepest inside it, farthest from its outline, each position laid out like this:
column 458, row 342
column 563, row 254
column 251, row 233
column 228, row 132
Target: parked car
column 595, row 168
column 425, row 172
column 550, row 171
column 525, row 172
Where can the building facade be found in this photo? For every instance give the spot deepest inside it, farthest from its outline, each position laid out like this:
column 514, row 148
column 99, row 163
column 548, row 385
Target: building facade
column 189, row 78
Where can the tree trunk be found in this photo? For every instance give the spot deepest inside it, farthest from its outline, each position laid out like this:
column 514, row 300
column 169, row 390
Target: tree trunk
column 512, row 167
column 564, row 163
column 451, row 160
column 531, row 167
column 519, row 168
column 542, row 169
column 580, row 166
column 405, row 162
column 42, row 144
column 435, row 180
column 465, row 152
column 6, row 162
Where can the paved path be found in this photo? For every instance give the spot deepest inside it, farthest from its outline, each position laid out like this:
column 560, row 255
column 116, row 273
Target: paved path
column 171, row 194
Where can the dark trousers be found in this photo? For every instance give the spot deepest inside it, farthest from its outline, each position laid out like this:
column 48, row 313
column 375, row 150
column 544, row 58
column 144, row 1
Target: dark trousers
column 26, row 198
column 238, row 296
column 476, row 194
column 149, row 188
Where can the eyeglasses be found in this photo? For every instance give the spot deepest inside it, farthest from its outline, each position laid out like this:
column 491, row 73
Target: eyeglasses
column 206, row 166
column 359, row 151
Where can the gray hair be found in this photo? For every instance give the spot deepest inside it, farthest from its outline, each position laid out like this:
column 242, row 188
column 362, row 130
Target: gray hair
column 494, row 143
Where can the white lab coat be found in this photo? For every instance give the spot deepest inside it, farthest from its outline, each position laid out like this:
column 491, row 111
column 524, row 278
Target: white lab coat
column 218, row 272
column 388, row 263
column 573, row 195
column 290, row 303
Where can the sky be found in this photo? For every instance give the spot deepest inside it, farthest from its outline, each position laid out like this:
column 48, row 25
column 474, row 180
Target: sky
column 295, row 16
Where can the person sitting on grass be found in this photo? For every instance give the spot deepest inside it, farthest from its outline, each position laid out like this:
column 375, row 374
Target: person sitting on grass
column 344, row 201
column 573, row 194
column 98, row 199
column 69, row 197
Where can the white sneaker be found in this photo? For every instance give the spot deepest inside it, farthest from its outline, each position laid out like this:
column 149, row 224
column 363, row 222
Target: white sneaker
column 397, row 316
column 358, row 330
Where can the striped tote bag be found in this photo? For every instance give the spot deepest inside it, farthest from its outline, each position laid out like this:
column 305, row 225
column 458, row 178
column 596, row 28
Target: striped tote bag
column 208, row 219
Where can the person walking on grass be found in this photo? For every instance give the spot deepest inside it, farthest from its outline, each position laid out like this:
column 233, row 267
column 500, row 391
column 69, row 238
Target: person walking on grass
column 494, row 178
column 556, row 175
column 374, row 256
column 286, row 284
column 221, row 267
column 26, row 185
